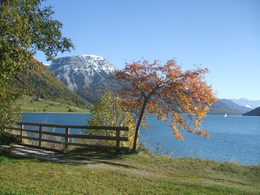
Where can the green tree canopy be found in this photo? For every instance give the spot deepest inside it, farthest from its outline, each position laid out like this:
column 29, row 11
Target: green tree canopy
column 26, row 27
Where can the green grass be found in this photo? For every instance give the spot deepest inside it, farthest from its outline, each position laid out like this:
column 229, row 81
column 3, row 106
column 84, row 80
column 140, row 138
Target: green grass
column 136, row 173
column 48, row 106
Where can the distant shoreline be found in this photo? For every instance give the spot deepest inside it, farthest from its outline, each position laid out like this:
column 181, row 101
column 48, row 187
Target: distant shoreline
column 59, row 112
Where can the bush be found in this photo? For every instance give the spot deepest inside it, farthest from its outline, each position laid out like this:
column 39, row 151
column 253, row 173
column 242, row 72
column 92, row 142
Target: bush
column 8, row 138
column 108, row 111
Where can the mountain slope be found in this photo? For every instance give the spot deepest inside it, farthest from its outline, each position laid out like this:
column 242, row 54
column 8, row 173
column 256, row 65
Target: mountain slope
column 242, row 109
column 91, row 93
column 255, row 112
column 43, row 84
column 81, row 71
column 248, row 103
column 220, row 108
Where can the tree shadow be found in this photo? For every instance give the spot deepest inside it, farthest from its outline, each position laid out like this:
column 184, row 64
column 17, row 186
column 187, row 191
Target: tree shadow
column 109, row 157
column 75, row 157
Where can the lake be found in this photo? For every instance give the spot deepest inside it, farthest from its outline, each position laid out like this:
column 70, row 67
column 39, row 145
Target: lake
column 235, row 138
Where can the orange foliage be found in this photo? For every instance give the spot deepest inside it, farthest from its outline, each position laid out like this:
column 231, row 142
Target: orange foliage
column 167, row 92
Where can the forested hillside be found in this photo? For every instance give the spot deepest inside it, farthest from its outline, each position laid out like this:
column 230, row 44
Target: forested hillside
column 241, row 109
column 91, row 93
column 255, row 112
column 221, row 108
column 41, row 83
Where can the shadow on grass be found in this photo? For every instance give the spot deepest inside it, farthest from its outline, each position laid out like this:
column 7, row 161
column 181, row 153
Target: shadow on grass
column 109, row 157
column 75, row 157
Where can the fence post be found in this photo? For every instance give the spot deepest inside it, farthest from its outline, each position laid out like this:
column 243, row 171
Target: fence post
column 21, row 133
column 117, row 141
column 67, row 138
column 40, row 135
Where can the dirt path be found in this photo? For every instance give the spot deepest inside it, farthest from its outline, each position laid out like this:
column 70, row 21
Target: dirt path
column 25, row 151
column 20, row 150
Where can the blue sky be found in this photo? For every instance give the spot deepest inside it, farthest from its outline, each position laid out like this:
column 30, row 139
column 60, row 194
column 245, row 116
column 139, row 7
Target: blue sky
column 222, row 35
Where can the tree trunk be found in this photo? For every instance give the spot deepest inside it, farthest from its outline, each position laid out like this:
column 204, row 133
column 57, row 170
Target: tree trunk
column 146, row 98
column 139, row 123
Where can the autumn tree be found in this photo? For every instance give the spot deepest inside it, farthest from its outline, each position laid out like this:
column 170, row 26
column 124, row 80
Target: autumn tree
column 168, row 92
column 26, row 27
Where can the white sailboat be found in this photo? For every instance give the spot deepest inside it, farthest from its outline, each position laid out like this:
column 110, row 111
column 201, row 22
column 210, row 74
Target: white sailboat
column 225, row 115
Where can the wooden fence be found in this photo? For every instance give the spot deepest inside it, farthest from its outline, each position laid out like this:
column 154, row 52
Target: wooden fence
column 69, row 136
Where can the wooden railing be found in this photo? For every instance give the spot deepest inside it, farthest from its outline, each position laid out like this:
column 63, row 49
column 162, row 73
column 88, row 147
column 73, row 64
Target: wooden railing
column 67, row 135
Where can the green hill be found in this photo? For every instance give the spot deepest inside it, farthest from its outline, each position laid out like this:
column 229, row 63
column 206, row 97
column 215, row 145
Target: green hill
column 42, row 84
column 30, row 104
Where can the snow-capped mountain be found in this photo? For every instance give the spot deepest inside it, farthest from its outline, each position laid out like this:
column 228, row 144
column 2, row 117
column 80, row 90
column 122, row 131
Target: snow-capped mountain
column 81, row 71
column 248, row 103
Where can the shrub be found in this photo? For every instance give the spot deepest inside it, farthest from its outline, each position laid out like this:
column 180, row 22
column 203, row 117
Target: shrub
column 8, row 138
column 108, row 111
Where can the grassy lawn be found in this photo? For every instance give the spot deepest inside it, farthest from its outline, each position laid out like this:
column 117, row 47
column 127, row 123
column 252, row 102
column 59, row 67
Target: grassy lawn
column 48, row 106
column 135, row 173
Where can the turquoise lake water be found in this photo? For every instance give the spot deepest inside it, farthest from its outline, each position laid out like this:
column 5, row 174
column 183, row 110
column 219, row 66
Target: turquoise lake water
column 235, row 138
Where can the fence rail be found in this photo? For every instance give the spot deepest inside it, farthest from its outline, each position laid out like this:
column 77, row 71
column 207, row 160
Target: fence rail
column 67, row 135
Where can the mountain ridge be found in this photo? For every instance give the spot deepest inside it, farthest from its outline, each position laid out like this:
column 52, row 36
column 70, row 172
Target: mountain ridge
column 88, row 76
column 220, row 108
column 246, row 102
column 242, row 109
